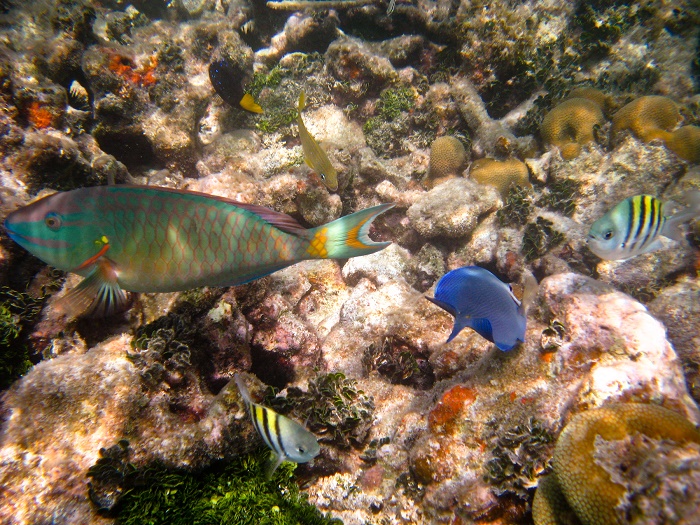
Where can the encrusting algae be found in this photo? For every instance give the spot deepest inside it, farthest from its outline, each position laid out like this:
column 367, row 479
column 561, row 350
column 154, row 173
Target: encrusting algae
column 502, row 174
column 586, row 486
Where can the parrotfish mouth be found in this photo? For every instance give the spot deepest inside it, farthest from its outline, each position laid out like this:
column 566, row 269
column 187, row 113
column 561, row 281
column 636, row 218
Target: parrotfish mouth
column 37, row 241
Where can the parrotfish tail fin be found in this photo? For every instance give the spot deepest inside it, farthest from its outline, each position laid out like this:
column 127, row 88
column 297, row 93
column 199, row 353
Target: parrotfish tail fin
column 302, row 102
column 674, row 227
column 346, row 237
column 98, row 295
column 275, row 461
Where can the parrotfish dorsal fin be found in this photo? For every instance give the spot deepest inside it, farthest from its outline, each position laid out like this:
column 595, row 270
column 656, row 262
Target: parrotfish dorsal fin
column 278, row 219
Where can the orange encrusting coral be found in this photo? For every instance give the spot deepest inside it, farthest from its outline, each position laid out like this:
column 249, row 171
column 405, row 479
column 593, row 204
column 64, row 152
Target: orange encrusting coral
column 443, row 415
column 124, row 67
column 39, row 116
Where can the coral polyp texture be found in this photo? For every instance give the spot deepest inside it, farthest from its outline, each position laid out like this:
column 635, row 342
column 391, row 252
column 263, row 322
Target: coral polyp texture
column 447, row 159
column 651, row 117
column 136, row 417
column 501, row 174
column 570, row 125
column 582, row 472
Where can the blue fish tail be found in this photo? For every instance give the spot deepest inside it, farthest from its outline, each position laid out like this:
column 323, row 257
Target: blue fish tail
column 346, row 237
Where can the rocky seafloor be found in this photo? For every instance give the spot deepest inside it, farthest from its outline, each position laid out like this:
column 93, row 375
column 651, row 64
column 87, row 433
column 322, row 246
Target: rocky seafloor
column 412, row 429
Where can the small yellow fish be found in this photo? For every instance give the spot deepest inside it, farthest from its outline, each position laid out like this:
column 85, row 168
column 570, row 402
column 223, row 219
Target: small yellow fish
column 314, row 156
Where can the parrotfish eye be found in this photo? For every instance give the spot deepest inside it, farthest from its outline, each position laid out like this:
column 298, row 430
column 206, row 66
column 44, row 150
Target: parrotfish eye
column 301, row 450
column 608, row 235
column 323, row 177
column 52, row 220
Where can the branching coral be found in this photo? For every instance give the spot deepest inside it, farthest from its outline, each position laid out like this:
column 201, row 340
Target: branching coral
column 502, row 174
column 578, row 475
column 571, row 124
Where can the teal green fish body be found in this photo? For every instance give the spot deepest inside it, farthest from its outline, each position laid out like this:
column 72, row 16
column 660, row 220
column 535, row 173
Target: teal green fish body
column 314, row 156
column 288, row 440
column 635, row 224
column 147, row 239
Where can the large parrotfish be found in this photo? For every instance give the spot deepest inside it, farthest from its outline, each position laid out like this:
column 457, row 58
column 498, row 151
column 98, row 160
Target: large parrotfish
column 148, row 239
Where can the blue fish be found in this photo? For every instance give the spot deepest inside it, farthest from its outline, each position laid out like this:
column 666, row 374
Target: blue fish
column 481, row 301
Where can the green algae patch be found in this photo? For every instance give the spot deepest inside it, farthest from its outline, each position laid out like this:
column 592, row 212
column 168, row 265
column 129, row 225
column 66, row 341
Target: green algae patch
column 236, row 493
column 18, row 312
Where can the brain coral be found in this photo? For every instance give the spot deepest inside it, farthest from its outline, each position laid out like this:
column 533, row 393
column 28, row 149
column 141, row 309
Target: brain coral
column 587, row 486
column 447, row 159
column 685, row 142
column 649, row 118
column 602, row 100
column 500, row 173
column 570, row 124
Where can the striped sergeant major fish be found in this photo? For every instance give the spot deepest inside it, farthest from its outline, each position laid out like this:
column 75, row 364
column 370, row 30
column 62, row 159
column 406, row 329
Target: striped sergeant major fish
column 145, row 239
column 288, row 440
column 634, row 226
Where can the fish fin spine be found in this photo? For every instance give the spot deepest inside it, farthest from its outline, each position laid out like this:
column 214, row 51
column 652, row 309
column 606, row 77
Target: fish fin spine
column 98, row 295
column 346, row 237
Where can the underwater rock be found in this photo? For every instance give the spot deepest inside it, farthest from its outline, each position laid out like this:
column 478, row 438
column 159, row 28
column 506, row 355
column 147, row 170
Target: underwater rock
column 63, row 411
column 453, row 209
column 301, row 33
column 353, row 61
column 678, row 308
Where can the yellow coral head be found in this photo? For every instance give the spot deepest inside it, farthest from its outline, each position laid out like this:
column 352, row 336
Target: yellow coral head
column 571, row 124
column 501, row 174
column 447, row 159
column 649, row 118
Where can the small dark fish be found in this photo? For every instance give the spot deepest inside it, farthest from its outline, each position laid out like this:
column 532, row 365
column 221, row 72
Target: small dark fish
column 226, row 79
column 479, row 300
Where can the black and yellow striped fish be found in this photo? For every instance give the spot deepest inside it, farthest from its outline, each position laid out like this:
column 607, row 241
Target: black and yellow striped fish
column 634, row 225
column 288, row 440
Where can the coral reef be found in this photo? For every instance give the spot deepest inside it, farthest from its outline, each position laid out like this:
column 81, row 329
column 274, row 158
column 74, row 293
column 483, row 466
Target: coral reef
column 581, row 464
column 136, row 414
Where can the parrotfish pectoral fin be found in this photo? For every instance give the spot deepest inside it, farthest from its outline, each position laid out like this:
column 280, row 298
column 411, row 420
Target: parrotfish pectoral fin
column 98, row 295
column 346, row 237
